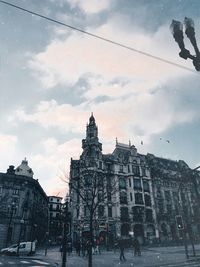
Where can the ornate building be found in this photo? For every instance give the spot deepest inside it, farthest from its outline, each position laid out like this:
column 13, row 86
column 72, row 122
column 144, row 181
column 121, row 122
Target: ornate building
column 23, row 206
column 149, row 193
column 55, row 219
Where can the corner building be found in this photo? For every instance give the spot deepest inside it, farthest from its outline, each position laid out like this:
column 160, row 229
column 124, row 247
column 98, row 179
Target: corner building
column 150, row 193
column 131, row 208
column 23, row 207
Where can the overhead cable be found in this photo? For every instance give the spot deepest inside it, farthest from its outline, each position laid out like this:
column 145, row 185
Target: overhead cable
column 98, row 37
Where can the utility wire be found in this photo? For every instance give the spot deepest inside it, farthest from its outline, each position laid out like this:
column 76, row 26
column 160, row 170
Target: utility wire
column 99, row 37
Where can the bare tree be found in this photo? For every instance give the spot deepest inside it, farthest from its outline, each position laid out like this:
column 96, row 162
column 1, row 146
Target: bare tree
column 91, row 189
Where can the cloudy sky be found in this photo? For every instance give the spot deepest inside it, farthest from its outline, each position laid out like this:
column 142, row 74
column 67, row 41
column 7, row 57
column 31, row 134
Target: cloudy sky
column 52, row 78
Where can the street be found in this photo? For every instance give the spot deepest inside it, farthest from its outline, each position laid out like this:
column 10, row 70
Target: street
column 13, row 261
column 151, row 257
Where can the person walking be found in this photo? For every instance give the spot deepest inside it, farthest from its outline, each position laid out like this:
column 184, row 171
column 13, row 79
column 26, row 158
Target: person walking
column 98, row 251
column 121, row 248
column 78, row 247
column 136, row 244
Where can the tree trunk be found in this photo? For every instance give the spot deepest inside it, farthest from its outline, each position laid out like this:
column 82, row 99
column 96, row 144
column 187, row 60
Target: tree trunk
column 90, row 243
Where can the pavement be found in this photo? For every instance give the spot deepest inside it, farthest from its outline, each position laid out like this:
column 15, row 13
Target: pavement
column 151, row 257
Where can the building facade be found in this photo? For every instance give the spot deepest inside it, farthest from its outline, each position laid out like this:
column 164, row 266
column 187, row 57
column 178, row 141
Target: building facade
column 23, row 206
column 55, row 219
column 149, row 192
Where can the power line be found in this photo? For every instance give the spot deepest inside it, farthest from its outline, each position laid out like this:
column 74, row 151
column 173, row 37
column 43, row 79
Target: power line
column 99, row 37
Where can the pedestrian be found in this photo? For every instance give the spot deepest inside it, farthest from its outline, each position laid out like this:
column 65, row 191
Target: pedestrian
column 136, row 244
column 87, row 248
column 122, row 247
column 94, row 246
column 78, row 247
column 98, row 251
column 83, row 246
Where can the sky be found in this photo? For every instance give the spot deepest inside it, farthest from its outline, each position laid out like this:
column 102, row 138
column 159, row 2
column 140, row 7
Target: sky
column 52, row 78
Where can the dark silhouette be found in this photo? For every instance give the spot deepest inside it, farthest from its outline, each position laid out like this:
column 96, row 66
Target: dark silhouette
column 122, row 247
column 136, row 244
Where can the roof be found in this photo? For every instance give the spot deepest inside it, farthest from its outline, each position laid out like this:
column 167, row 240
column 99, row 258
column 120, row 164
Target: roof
column 24, row 169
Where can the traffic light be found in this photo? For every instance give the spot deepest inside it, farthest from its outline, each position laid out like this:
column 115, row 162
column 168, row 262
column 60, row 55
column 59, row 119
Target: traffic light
column 179, row 222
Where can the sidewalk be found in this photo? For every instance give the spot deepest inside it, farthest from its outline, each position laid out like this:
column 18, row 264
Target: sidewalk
column 154, row 256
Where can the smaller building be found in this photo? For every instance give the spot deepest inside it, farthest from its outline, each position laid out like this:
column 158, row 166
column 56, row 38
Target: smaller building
column 23, row 206
column 55, row 219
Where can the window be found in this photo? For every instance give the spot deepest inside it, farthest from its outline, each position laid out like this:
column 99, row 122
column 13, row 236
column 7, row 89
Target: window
column 15, row 191
column 138, row 214
column 110, row 212
column 136, row 170
column 51, row 206
column 138, row 198
column 100, row 165
column 146, row 186
column 131, row 196
column 123, row 198
column 100, row 196
column 128, row 168
column 137, row 184
column 109, row 196
column 167, row 196
column 159, row 194
column 86, row 211
column 149, row 215
column 160, row 204
column 57, row 215
column 120, row 168
column 124, row 212
column 122, row 183
column 129, row 180
column 88, row 181
column 147, row 200
column 1, row 190
column 101, row 211
column 57, row 200
column 143, row 171
column 58, row 207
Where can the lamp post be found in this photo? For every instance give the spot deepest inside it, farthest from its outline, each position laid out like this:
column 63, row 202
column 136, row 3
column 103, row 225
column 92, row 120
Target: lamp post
column 20, row 233
column 177, row 31
column 187, row 227
column 66, row 220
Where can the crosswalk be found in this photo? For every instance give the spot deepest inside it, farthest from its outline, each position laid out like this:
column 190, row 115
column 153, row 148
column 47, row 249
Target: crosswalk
column 31, row 263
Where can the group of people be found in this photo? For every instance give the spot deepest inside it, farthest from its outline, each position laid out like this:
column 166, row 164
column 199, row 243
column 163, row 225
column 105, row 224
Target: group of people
column 122, row 245
column 83, row 247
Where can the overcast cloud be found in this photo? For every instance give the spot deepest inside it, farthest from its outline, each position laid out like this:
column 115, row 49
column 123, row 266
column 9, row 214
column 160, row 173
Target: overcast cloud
column 52, row 78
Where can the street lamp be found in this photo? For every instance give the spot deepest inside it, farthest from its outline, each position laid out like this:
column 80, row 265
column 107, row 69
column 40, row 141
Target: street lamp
column 66, row 220
column 177, row 31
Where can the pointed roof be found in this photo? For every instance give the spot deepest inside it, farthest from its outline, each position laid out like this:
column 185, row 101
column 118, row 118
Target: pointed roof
column 24, row 169
column 92, row 119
